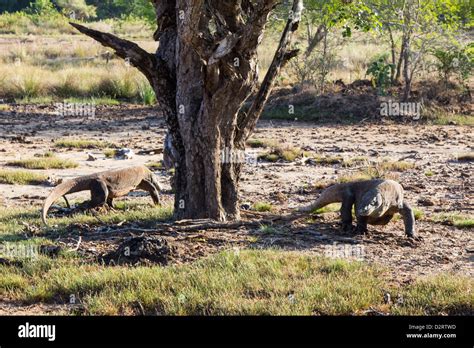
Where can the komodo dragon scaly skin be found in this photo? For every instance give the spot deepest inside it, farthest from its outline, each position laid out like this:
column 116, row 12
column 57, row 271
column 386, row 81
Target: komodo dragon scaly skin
column 106, row 186
column 376, row 202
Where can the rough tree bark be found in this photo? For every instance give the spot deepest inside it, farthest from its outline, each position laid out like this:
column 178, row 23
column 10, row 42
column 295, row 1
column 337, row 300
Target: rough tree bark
column 204, row 70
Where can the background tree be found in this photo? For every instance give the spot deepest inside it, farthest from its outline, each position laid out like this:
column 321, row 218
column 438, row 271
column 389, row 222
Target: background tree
column 205, row 68
column 13, row 5
column 78, row 8
column 320, row 16
column 422, row 24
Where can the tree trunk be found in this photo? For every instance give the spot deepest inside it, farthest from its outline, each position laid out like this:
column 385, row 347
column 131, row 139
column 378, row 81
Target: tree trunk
column 400, row 60
column 203, row 72
column 314, row 41
column 406, row 48
column 393, row 50
column 406, row 75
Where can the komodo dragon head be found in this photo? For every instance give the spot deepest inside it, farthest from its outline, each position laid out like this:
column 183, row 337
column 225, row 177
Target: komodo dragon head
column 385, row 194
column 372, row 203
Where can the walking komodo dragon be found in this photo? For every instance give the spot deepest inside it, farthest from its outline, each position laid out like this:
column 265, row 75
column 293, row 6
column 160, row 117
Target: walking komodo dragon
column 106, row 186
column 375, row 201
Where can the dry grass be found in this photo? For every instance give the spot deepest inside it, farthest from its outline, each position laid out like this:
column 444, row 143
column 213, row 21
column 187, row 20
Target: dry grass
column 30, row 81
column 44, row 163
column 398, row 166
column 21, row 177
column 357, row 176
column 328, row 160
column 81, row 144
column 282, row 152
column 20, row 23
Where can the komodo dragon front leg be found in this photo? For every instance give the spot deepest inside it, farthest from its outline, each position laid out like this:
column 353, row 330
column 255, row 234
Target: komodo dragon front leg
column 408, row 219
column 346, row 211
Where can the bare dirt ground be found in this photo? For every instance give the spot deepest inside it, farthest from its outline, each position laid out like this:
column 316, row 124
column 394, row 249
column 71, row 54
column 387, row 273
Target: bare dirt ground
column 29, row 130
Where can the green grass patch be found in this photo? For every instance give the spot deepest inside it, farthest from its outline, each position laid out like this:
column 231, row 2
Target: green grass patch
column 44, row 163
column 110, row 153
column 455, row 219
column 262, row 207
column 250, row 282
column 81, row 144
column 13, row 220
column 94, row 101
column 443, row 294
column 21, row 177
column 443, row 118
column 256, row 143
column 269, row 157
column 146, row 93
column 419, row 214
column 261, row 143
column 331, row 208
column 155, row 165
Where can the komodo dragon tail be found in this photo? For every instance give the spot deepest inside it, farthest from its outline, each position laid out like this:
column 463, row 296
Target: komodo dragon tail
column 333, row 194
column 155, row 182
column 59, row 191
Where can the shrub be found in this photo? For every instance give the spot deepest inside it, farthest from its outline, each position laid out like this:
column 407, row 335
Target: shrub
column 454, row 61
column 380, row 70
column 146, row 93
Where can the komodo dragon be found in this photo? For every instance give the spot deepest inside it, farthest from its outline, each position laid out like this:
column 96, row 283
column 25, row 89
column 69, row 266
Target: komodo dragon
column 106, row 186
column 376, row 202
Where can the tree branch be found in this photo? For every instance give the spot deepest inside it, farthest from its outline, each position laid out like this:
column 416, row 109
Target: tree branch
column 153, row 68
column 253, row 29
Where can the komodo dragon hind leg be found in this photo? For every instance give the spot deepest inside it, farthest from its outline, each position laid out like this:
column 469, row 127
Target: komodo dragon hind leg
column 99, row 194
column 67, row 202
column 152, row 189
